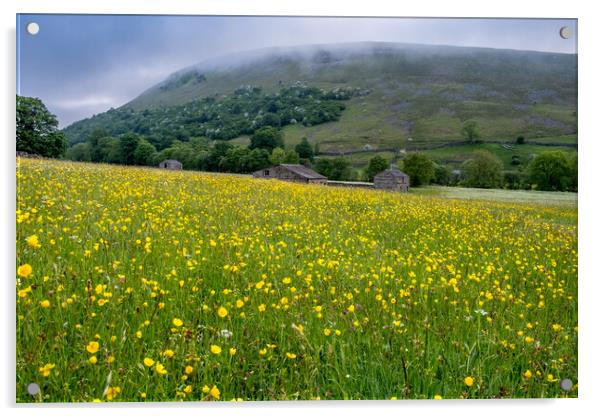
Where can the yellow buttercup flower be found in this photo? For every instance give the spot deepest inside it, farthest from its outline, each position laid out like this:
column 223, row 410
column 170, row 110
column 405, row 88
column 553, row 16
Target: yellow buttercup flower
column 469, row 381
column 216, row 349
column 160, row 369
column 33, row 242
column 46, row 369
column 24, row 270
column 177, row 322
column 149, row 362
column 222, row 312
column 92, row 347
column 214, row 392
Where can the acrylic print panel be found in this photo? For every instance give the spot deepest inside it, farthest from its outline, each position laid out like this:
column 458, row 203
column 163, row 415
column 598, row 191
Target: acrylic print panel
column 292, row 208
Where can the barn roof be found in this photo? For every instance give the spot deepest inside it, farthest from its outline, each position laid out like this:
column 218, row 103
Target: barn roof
column 395, row 173
column 303, row 171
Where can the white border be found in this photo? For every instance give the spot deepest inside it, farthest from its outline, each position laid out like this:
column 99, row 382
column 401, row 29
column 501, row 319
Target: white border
column 590, row 23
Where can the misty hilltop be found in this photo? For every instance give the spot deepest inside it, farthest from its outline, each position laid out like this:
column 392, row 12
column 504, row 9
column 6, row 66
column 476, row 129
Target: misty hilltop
column 397, row 94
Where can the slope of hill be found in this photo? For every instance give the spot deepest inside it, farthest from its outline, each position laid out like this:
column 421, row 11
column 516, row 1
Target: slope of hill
column 418, row 94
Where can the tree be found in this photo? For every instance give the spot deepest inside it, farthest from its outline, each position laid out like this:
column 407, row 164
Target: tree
column 96, row 154
column 443, row 175
column 420, row 169
column 292, row 157
column 267, row 138
column 278, row 156
column 337, row 169
column 376, row 165
column 80, row 152
column 550, row 171
column 37, row 129
column 305, row 150
column 470, row 131
column 128, row 143
column 145, row 153
column 483, row 170
column 574, row 173
column 520, row 140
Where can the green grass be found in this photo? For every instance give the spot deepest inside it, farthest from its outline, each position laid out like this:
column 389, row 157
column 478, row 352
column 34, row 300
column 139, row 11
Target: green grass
column 567, row 199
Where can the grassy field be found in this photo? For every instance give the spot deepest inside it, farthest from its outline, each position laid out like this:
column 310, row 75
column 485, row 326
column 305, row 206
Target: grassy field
column 138, row 284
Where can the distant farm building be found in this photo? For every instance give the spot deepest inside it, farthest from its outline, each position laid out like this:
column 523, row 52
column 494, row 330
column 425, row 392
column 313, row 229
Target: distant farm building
column 291, row 173
column 393, row 180
column 170, row 164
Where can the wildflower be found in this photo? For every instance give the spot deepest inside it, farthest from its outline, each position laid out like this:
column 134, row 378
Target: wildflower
column 168, row 353
column 23, row 292
column 45, row 303
column 351, row 308
column 239, row 303
column 112, row 392
column 232, row 351
column 214, row 392
column 33, row 242
column 224, row 333
column 138, row 334
column 216, row 349
column 437, row 397
column 92, row 347
column 529, row 340
column 222, row 312
column 188, row 389
column 469, row 381
column 263, row 351
column 177, row 322
column 46, row 369
column 205, row 389
column 189, row 369
column 327, row 332
column 160, row 369
column 291, row 356
column 24, row 270
column 557, row 327
column 148, row 362
column 286, row 280
column 93, row 359
column 527, row 374
column 261, row 308
column 551, row 378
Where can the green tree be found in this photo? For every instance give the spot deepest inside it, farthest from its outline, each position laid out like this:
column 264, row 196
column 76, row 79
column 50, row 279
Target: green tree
column 305, row 150
column 80, row 152
column 376, row 165
column 145, row 153
column 278, row 156
column 574, row 173
column 336, row 169
column 420, row 169
column 482, row 170
column 266, row 138
column 520, row 140
column 470, row 131
column 128, row 143
column 37, row 129
column 109, row 150
column 96, row 154
column 443, row 175
column 550, row 171
column 292, row 157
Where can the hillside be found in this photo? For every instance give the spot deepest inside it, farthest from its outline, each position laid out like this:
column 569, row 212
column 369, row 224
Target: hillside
column 415, row 95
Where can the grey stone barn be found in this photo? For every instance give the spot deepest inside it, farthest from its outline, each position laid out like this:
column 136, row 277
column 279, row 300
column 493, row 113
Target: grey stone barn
column 392, row 180
column 170, row 164
column 291, row 173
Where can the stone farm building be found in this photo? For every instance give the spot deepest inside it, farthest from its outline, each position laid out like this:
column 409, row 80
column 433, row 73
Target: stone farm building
column 170, row 164
column 291, row 173
column 392, row 180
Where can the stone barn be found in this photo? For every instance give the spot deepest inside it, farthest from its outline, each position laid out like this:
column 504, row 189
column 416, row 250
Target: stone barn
column 393, row 180
column 291, row 173
column 170, row 164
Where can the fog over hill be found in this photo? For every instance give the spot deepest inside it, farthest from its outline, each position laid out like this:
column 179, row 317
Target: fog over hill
column 421, row 93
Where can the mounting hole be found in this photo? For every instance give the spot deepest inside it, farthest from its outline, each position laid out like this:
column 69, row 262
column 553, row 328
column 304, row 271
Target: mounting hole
column 565, row 32
column 33, row 28
column 566, row 384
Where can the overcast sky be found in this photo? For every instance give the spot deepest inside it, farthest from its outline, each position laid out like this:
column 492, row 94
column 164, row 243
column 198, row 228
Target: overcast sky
column 80, row 65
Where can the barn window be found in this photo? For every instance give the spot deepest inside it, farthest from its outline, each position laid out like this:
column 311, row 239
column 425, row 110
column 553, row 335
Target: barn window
column 266, row 172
